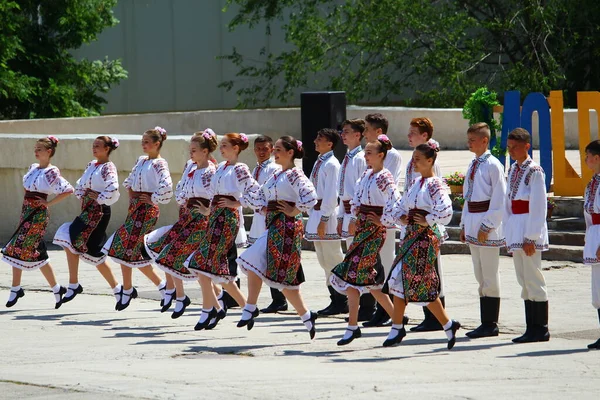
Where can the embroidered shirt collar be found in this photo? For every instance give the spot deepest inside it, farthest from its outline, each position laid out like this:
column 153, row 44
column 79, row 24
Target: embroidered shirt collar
column 264, row 163
column 484, row 156
column 326, row 156
column 354, row 151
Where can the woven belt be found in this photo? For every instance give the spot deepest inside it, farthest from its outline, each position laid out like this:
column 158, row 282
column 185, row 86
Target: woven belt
column 595, row 219
column 476, row 207
column 365, row 209
column 194, row 201
column 347, row 206
column 135, row 195
column 218, row 197
column 274, row 205
column 415, row 211
column 520, row 206
column 35, row 195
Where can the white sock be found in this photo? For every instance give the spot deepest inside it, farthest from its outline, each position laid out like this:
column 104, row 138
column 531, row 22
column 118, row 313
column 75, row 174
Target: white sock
column 349, row 331
column 395, row 331
column 220, row 298
column 248, row 310
column 447, row 329
column 71, row 289
column 56, row 291
column 117, row 291
column 162, row 287
column 307, row 322
column 204, row 315
column 179, row 304
column 13, row 292
column 126, row 295
column 169, row 294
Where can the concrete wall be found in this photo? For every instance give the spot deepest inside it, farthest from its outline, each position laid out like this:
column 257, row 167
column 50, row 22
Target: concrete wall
column 450, row 127
column 72, row 156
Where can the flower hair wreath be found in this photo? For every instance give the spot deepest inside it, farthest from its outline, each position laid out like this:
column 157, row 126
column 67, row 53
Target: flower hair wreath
column 383, row 138
column 244, row 137
column 208, row 134
column 53, row 139
column 299, row 144
column 435, row 146
column 115, row 142
column 160, row 130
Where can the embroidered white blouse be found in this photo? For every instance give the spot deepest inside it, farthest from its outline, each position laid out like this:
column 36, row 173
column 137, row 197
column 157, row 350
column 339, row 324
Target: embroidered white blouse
column 375, row 189
column 289, row 185
column 151, row 175
column 352, row 168
column 101, row 178
column 46, row 180
column 324, row 176
column 195, row 182
column 234, row 180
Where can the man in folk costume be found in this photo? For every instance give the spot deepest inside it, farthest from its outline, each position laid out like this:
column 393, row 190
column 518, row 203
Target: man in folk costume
column 377, row 124
column 321, row 227
column 484, row 192
column 352, row 168
column 526, row 233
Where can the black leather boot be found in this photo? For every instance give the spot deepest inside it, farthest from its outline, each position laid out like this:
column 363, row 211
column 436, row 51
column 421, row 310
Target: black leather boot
column 596, row 344
column 279, row 303
column 228, row 300
column 539, row 321
column 489, row 308
column 528, row 314
column 338, row 304
column 430, row 323
column 366, row 307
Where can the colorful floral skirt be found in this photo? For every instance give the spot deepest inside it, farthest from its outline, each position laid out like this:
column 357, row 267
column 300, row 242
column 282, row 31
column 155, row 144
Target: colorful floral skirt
column 362, row 268
column 211, row 258
column 275, row 256
column 415, row 275
column 26, row 248
column 171, row 245
column 86, row 235
column 126, row 245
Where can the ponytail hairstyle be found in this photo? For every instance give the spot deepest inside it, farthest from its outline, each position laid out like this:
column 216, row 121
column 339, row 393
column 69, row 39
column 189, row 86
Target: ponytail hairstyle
column 290, row 143
column 111, row 143
column 385, row 144
column 206, row 139
column 49, row 143
column 238, row 139
column 157, row 134
column 429, row 149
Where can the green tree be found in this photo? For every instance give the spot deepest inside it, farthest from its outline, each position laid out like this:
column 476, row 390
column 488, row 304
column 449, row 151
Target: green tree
column 427, row 52
column 39, row 77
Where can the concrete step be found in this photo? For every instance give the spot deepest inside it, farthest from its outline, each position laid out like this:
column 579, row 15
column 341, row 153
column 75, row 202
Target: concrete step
column 568, row 206
column 554, row 253
column 569, row 238
column 567, row 224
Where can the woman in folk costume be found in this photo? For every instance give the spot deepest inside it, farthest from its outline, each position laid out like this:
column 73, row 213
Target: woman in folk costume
column 361, row 272
column 148, row 184
column 275, row 257
column 98, row 189
column 425, row 209
column 171, row 245
column 26, row 249
column 231, row 185
column 591, row 211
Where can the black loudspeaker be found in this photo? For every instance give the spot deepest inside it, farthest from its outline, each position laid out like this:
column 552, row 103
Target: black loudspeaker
column 320, row 110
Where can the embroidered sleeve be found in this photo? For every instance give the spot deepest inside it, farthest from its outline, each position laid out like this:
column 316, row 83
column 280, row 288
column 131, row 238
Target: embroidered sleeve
column 493, row 216
column 79, row 185
column 305, row 190
column 180, row 189
column 330, row 195
column 165, row 185
column 129, row 180
column 245, row 184
column 358, row 191
column 441, row 205
column 57, row 184
column 110, row 194
column 257, row 199
column 537, row 205
column 390, row 191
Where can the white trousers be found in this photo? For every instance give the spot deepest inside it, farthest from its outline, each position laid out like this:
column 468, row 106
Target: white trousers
column 485, row 265
column 596, row 285
column 529, row 275
column 329, row 254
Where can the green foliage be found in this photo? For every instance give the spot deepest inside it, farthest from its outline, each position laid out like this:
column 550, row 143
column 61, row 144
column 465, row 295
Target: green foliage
column 480, row 108
column 457, row 179
column 39, row 77
column 430, row 53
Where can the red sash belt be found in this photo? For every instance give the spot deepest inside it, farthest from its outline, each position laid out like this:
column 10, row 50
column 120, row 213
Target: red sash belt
column 477, row 207
column 35, row 195
column 273, row 205
column 347, row 206
column 520, row 206
column 595, row 219
column 365, row 209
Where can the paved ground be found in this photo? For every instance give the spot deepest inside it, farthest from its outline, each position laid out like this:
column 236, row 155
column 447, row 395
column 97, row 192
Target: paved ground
column 87, row 350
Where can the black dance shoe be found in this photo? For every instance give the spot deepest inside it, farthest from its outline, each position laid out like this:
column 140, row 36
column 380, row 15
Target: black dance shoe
column 20, row 293
column 76, row 291
column 312, row 319
column 202, row 325
column 133, row 295
column 455, row 327
column 61, row 292
column 355, row 335
column 275, row 307
column 220, row 315
column 396, row 339
column 186, row 302
column 167, row 305
column 248, row 322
